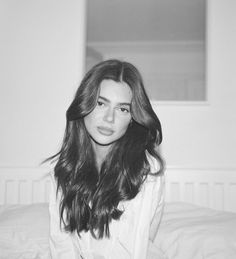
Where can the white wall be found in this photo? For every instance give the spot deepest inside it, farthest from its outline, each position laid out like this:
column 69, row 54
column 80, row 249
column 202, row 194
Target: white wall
column 42, row 55
column 204, row 135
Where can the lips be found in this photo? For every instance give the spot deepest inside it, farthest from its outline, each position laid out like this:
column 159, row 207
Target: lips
column 105, row 131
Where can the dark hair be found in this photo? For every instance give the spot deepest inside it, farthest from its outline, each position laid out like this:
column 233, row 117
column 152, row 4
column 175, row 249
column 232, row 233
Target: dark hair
column 90, row 197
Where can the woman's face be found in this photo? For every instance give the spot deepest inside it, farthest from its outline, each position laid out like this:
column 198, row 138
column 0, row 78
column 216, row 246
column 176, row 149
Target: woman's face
column 111, row 116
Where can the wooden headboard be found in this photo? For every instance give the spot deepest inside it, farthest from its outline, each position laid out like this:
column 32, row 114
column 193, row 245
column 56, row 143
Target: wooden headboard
column 213, row 188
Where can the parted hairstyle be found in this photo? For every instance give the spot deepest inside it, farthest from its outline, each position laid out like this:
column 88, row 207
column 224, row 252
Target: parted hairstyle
column 89, row 197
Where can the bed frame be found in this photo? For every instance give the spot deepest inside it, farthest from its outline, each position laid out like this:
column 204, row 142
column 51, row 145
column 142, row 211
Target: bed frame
column 212, row 188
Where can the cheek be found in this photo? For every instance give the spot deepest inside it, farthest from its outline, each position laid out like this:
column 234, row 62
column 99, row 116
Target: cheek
column 89, row 121
column 124, row 124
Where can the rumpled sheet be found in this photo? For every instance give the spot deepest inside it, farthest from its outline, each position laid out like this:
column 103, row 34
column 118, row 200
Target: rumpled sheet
column 24, row 232
column 192, row 232
column 186, row 232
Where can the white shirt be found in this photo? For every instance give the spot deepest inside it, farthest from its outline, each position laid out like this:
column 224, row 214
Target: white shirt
column 129, row 236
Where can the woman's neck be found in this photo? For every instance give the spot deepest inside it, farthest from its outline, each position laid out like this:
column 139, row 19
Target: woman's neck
column 100, row 153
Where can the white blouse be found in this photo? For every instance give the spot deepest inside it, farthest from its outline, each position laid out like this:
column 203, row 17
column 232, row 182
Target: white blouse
column 129, row 236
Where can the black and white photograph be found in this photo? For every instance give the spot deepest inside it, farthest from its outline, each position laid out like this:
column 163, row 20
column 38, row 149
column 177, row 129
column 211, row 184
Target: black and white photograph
column 118, row 129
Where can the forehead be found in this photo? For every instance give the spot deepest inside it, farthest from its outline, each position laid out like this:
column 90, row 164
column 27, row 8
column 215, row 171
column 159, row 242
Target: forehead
column 117, row 92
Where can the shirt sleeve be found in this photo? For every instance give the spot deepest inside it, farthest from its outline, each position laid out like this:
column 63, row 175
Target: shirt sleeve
column 60, row 242
column 157, row 207
column 140, row 221
column 157, row 197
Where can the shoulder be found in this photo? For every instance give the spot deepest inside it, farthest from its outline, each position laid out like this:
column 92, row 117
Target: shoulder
column 55, row 192
column 154, row 168
column 53, row 180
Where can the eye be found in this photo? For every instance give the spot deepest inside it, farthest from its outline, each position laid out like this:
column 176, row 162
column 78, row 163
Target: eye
column 124, row 110
column 100, row 103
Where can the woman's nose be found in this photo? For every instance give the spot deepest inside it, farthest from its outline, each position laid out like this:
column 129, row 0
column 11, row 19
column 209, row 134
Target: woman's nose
column 109, row 115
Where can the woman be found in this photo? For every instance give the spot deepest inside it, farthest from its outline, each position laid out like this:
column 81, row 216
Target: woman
column 106, row 199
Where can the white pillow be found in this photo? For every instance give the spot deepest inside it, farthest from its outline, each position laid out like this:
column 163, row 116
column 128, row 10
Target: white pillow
column 24, row 231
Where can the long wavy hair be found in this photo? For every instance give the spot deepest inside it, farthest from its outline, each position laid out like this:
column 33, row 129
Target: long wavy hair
column 90, row 197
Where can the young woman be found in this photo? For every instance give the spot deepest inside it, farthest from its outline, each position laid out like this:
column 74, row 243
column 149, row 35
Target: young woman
column 107, row 198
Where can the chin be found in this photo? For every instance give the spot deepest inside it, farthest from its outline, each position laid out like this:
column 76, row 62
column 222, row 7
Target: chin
column 104, row 142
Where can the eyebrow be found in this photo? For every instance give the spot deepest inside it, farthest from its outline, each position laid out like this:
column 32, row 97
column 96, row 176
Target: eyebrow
column 108, row 101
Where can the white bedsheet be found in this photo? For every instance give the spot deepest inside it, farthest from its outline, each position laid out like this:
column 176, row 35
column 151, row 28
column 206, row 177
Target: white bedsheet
column 186, row 232
column 191, row 232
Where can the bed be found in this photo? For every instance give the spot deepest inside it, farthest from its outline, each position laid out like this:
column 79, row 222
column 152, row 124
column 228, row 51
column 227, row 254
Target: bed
column 199, row 219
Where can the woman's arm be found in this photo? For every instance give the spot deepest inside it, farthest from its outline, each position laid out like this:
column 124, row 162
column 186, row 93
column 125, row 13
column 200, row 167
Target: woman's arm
column 157, row 207
column 61, row 242
column 157, row 196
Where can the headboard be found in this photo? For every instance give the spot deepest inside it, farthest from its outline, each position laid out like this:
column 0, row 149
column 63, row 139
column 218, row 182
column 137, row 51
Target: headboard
column 213, row 188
